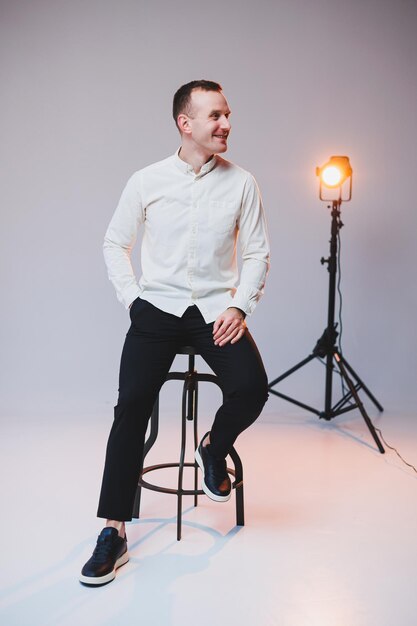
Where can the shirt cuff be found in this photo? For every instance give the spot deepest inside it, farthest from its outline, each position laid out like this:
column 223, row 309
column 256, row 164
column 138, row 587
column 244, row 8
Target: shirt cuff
column 245, row 299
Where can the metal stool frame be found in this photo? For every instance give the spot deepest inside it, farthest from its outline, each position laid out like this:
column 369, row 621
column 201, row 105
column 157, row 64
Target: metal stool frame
column 189, row 412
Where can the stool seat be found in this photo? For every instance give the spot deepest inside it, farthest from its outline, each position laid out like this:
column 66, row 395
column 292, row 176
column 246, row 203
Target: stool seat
column 189, row 412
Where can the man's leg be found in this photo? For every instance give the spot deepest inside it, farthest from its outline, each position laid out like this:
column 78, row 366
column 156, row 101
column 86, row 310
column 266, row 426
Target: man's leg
column 245, row 388
column 150, row 347
column 243, row 381
column 148, row 353
column 143, row 369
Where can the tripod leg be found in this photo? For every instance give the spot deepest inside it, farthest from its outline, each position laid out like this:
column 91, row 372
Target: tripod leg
column 285, row 375
column 362, row 384
column 361, row 408
column 291, row 371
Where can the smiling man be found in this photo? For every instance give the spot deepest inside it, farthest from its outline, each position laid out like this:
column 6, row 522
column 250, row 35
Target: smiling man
column 192, row 207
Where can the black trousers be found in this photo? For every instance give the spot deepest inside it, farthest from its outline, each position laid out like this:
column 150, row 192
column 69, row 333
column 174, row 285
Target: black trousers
column 150, row 347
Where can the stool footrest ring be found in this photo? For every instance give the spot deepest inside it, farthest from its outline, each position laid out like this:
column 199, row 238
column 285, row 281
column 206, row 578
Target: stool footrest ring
column 176, row 492
column 189, row 412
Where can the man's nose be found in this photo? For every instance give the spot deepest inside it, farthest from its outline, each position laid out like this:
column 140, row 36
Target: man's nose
column 225, row 124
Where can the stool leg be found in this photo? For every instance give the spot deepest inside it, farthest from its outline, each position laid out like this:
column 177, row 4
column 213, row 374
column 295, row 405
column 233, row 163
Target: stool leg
column 196, row 441
column 148, row 445
column 185, row 399
column 240, row 513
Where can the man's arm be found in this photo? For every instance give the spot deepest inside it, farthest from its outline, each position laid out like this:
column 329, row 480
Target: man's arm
column 230, row 325
column 254, row 246
column 120, row 239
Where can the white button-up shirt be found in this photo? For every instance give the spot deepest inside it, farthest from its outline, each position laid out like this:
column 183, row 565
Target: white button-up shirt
column 191, row 223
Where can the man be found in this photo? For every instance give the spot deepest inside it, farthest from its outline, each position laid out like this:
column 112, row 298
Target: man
column 192, row 206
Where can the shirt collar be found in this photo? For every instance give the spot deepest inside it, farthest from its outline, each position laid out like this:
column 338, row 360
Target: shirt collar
column 188, row 169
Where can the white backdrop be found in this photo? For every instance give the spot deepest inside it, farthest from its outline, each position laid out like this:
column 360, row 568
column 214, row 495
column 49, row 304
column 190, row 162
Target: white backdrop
column 87, row 91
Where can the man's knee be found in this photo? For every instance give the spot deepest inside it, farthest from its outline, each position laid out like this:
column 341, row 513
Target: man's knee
column 254, row 392
column 133, row 402
column 259, row 393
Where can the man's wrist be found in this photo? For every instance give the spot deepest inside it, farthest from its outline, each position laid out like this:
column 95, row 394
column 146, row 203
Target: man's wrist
column 237, row 309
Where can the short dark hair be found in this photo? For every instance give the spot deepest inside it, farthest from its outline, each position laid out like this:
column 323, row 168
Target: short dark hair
column 182, row 97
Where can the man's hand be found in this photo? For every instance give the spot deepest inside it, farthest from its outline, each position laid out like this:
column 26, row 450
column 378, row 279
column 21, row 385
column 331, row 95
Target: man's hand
column 229, row 326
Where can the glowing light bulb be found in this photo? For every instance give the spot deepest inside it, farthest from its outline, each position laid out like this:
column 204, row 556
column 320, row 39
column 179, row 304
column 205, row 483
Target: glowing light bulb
column 331, row 176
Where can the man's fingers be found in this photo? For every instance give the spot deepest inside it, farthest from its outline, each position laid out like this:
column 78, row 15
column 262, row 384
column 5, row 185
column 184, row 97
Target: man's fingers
column 238, row 336
column 232, row 337
column 225, row 328
column 231, row 333
column 217, row 324
column 221, row 328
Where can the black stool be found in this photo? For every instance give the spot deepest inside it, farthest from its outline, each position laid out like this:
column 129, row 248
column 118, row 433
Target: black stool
column 189, row 412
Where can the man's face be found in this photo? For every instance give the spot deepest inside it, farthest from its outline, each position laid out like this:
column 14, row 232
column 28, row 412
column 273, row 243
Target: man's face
column 208, row 121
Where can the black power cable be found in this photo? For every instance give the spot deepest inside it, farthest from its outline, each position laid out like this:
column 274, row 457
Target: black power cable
column 339, row 291
column 396, row 451
column 344, row 389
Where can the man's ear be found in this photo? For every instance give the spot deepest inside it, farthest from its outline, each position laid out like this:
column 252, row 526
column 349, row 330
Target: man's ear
column 184, row 123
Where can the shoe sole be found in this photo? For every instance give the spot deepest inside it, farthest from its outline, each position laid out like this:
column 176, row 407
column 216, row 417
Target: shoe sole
column 103, row 580
column 210, row 494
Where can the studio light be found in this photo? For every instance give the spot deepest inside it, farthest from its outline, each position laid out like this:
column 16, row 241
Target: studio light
column 335, row 176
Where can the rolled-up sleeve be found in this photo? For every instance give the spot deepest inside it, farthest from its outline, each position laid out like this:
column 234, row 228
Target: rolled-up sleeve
column 253, row 238
column 120, row 238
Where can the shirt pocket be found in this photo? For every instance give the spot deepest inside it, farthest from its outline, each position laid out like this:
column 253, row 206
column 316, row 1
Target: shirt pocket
column 222, row 215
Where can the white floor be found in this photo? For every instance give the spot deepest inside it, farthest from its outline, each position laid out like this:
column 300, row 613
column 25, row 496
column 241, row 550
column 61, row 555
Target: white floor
column 330, row 535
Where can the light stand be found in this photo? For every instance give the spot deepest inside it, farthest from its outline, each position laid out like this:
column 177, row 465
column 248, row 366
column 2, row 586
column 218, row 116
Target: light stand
column 326, row 346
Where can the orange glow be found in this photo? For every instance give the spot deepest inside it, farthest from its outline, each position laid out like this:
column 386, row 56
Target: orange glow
column 334, row 173
column 331, row 176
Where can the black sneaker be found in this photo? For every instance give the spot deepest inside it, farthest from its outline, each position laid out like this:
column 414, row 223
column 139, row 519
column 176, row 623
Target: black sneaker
column 216, row 481
column 109, row 554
